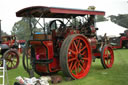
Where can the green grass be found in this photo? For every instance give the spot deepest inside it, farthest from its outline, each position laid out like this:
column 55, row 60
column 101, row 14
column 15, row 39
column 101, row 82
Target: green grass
column 117, row 75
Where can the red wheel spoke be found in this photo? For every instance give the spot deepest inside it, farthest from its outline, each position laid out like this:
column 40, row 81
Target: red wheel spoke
column 75, row 69
column 86, row 59
column 78, row 67
column 72, row 51
column 82, row 49
column 80, row 46
column 107, row 53
column 75, row 46
column 72, row 59
column 73, row 66
column 82, row 62
column 83, row 53
column 70, row 66
column 81, row 67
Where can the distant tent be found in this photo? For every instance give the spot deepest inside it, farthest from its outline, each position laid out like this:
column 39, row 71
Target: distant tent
column 110, row 28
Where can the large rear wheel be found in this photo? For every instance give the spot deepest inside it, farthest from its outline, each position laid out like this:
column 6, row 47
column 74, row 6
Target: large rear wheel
column 75, row 56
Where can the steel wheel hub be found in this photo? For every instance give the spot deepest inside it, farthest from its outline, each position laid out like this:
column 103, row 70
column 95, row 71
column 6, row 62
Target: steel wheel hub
column 79, row 57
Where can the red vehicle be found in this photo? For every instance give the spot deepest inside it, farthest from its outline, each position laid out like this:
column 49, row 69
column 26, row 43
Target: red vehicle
column 8, row 51
column 68, row 43
column 121, row 41
column 9, row 40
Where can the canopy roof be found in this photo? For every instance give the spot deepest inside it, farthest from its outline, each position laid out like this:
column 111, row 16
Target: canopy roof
column 55, row 12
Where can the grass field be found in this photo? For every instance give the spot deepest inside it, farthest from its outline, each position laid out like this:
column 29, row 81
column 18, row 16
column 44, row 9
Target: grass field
column 117, row 75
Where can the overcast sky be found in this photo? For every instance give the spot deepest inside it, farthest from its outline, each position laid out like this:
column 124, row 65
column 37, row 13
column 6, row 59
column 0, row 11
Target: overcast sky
column 8, row 8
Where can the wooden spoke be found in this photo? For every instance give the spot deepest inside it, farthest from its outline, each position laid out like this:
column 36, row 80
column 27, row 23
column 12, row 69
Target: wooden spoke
column 72, row 59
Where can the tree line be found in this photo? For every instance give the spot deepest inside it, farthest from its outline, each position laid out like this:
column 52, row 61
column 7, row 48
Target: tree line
column 121, row 19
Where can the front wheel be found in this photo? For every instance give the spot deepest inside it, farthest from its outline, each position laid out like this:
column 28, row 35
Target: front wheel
column 107, row 57
column 75, row 56
column 12, row 59
column 27, row 59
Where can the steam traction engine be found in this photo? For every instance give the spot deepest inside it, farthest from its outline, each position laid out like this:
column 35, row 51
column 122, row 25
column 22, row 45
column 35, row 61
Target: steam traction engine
column 68, row 42
column 121, row 41
column 8, row 51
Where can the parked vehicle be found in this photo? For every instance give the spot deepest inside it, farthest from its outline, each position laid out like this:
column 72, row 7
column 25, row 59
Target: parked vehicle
column 68, row 44
column 8, row 51
column 121, row 41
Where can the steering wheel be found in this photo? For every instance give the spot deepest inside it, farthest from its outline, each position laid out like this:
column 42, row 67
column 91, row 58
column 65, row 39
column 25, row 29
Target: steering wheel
column 60, row 27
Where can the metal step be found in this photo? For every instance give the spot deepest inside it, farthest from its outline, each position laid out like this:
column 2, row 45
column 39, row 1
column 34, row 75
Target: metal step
column 1, row 76
column 1, row 68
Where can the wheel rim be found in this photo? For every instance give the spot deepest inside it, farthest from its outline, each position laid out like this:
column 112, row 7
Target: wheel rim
column 78, row 60
column 108, row 57
column 12, row 60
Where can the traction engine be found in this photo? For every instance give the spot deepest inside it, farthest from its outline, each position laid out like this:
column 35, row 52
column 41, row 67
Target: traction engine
column 121, row 41
column 8, row 51
column 69, row 43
